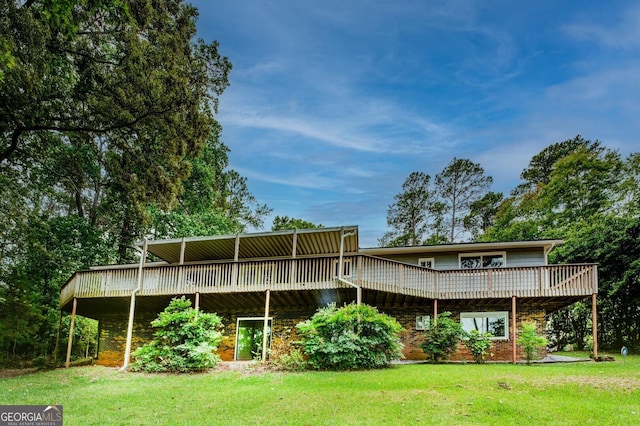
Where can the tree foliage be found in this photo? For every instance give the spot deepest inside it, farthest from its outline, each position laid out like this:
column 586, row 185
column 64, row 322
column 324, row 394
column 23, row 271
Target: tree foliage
column 107, row 135
column 284, row 223
column 185, row 341
column 414, row 214
column 586, row 194
column 460, row 184
column 531, row 341
column 455, row 206
column 351, row 337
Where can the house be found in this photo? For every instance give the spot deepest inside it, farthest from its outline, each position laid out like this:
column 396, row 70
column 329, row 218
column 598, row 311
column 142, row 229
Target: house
column 265, row 283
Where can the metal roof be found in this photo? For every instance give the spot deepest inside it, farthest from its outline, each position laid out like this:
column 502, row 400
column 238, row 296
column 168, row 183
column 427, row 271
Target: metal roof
column 458, row 247
column 309, row 242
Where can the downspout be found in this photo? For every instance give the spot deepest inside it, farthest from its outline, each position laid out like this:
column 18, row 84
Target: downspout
column 132, row 307
column 340, row 267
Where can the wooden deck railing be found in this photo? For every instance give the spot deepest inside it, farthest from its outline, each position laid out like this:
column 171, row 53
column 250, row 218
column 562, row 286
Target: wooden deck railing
column 320, row 273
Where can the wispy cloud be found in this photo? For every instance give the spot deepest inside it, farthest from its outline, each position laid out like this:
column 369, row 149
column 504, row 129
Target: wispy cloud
column 332, row 104
column 621, row 32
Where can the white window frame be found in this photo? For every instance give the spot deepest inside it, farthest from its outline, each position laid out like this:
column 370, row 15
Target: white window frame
column 481, row 255
column 423, row 322
column 426, row 260
column 495, row 314
column 270, row 329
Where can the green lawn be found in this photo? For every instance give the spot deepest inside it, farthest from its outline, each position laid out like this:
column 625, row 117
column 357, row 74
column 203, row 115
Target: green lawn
column 576, row 393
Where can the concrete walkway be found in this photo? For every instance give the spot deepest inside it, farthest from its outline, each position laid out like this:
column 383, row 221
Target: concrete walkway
column 560, row 358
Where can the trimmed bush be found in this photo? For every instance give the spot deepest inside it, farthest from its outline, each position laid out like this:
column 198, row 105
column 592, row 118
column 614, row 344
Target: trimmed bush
column 442, row 337
column 186, row 341
column 349, row 338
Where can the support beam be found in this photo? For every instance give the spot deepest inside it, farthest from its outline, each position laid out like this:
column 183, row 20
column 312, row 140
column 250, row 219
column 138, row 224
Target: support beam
column 294, row 244
column 55, row 351
column 514, row 357
column 73, row 322
column 265, row 329
column 594, row 321
column 236, row 253
column 435, row 310
column 294, row 253
column 182, row 247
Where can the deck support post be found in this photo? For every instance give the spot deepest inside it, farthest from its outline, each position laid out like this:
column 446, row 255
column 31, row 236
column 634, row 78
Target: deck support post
column 132, row 306
column 435, row 310
column 197, row 303
column 55, row 351
column 594, row 321
column 70, row 342
column 265, row 329
column 514, row 357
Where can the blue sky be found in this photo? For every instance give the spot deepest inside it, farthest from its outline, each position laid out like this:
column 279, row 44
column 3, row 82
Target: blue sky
column 333, row 104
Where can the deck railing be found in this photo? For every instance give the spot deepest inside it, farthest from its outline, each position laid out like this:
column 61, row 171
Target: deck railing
column 321, row 273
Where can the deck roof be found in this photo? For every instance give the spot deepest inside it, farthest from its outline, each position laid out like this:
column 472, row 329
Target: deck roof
column 304, row 242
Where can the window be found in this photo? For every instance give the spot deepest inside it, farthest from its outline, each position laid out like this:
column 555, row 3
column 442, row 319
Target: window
column 482, row 260
column 496, row 323
column 426, row 262
column 423, row 322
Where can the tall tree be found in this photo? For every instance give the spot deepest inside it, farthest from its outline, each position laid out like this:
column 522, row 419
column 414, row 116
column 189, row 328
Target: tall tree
column 459, row 185
column 584, row 179
column 412, row 212
column 539, row 170
column 203, row 207
column 242, row 205
column 105, row 108
column 110, row 100
column 481, row 213
column 586, row 194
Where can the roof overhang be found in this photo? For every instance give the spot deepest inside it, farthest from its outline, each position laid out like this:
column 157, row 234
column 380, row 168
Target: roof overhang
column 294, row 243
column 546, row 245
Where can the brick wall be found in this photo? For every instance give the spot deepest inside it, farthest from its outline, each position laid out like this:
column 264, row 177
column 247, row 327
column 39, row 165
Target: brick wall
column 113, row 337
column 501, row 350
column 113, row 331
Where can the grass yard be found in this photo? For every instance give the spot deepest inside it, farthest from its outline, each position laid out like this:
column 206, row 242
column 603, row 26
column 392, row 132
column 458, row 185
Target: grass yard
column 453, row 394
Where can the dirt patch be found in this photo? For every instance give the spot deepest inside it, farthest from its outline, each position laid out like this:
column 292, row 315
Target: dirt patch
column 628, row 384
column 15, row 372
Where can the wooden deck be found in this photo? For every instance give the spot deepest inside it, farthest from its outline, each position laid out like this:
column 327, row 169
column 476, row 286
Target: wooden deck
column 321, row 273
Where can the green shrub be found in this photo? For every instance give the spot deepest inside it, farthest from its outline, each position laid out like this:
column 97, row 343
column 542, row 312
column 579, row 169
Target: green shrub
column 292, row 361
column 530, row 340
column 352, row 337
column 285, row 353
column 442, row 337
column 478, row 344
column 186, row 341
